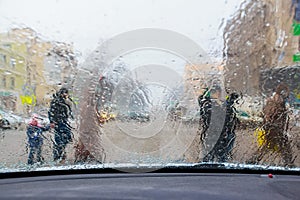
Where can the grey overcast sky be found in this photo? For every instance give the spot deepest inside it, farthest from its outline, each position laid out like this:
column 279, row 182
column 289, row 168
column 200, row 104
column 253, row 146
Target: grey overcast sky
column 86, row 23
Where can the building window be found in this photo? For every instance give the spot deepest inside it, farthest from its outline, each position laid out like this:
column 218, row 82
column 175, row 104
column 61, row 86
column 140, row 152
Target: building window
column 12, row 83
column 7, row 46
column 297, row 10
column 4, row 81
column 2, row 59
column 13, row 63
column 13, row 105
column 33, row 77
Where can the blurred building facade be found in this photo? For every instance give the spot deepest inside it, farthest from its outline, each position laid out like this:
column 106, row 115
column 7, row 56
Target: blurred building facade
column 24, row 66
column 201, row 76
column 258, row 37
column 13, row 72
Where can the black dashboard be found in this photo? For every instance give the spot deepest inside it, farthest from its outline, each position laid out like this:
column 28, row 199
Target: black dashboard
column 151, row 186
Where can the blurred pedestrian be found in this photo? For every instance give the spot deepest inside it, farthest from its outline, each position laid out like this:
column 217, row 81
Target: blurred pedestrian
column 59, row 114
column 222, row 150
column 205, row 104
column 35, row 139
column 275, row 127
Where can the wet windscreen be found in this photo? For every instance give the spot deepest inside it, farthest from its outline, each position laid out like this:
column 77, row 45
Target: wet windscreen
column 149, row 83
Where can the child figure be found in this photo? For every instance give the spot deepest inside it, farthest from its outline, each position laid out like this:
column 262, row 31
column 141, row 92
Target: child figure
column 35, row 139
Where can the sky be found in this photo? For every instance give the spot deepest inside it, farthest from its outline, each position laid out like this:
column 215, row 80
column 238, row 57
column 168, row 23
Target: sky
column 87, row 23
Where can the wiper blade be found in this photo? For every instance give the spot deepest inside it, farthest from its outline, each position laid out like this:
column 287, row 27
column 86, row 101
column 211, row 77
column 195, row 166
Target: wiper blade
column 208, row 167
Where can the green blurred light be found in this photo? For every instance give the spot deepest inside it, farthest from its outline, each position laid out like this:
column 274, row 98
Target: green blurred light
column 296, row 28
column 296, row 57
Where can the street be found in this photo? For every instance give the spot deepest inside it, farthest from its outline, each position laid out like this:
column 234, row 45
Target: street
column 172, row 142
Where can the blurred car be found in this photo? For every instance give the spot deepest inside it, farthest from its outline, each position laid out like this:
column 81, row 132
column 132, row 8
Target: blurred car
column 4, row 123
column 139, row 116
column 105, row 116
column 10, row 120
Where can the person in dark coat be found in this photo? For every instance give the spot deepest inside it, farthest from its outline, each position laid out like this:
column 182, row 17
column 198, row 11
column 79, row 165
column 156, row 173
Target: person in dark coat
column 222, row 150
column 35, row 140
column 59, row 114
column 205, row 105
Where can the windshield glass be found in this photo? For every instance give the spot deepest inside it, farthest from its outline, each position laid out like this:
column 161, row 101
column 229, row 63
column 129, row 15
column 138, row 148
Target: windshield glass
column 125, row 84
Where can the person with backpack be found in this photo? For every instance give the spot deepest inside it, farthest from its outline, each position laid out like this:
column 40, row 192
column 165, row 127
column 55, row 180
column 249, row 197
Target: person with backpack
column 275, row 127
column 59, row 114
column 35, row 140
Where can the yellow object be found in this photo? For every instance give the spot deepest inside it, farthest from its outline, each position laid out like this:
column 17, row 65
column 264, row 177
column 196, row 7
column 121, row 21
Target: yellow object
column 260, row 133
column 105, row 116
column 30, row 100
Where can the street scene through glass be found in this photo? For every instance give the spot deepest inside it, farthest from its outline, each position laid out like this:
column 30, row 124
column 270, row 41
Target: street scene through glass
column 98, row 84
